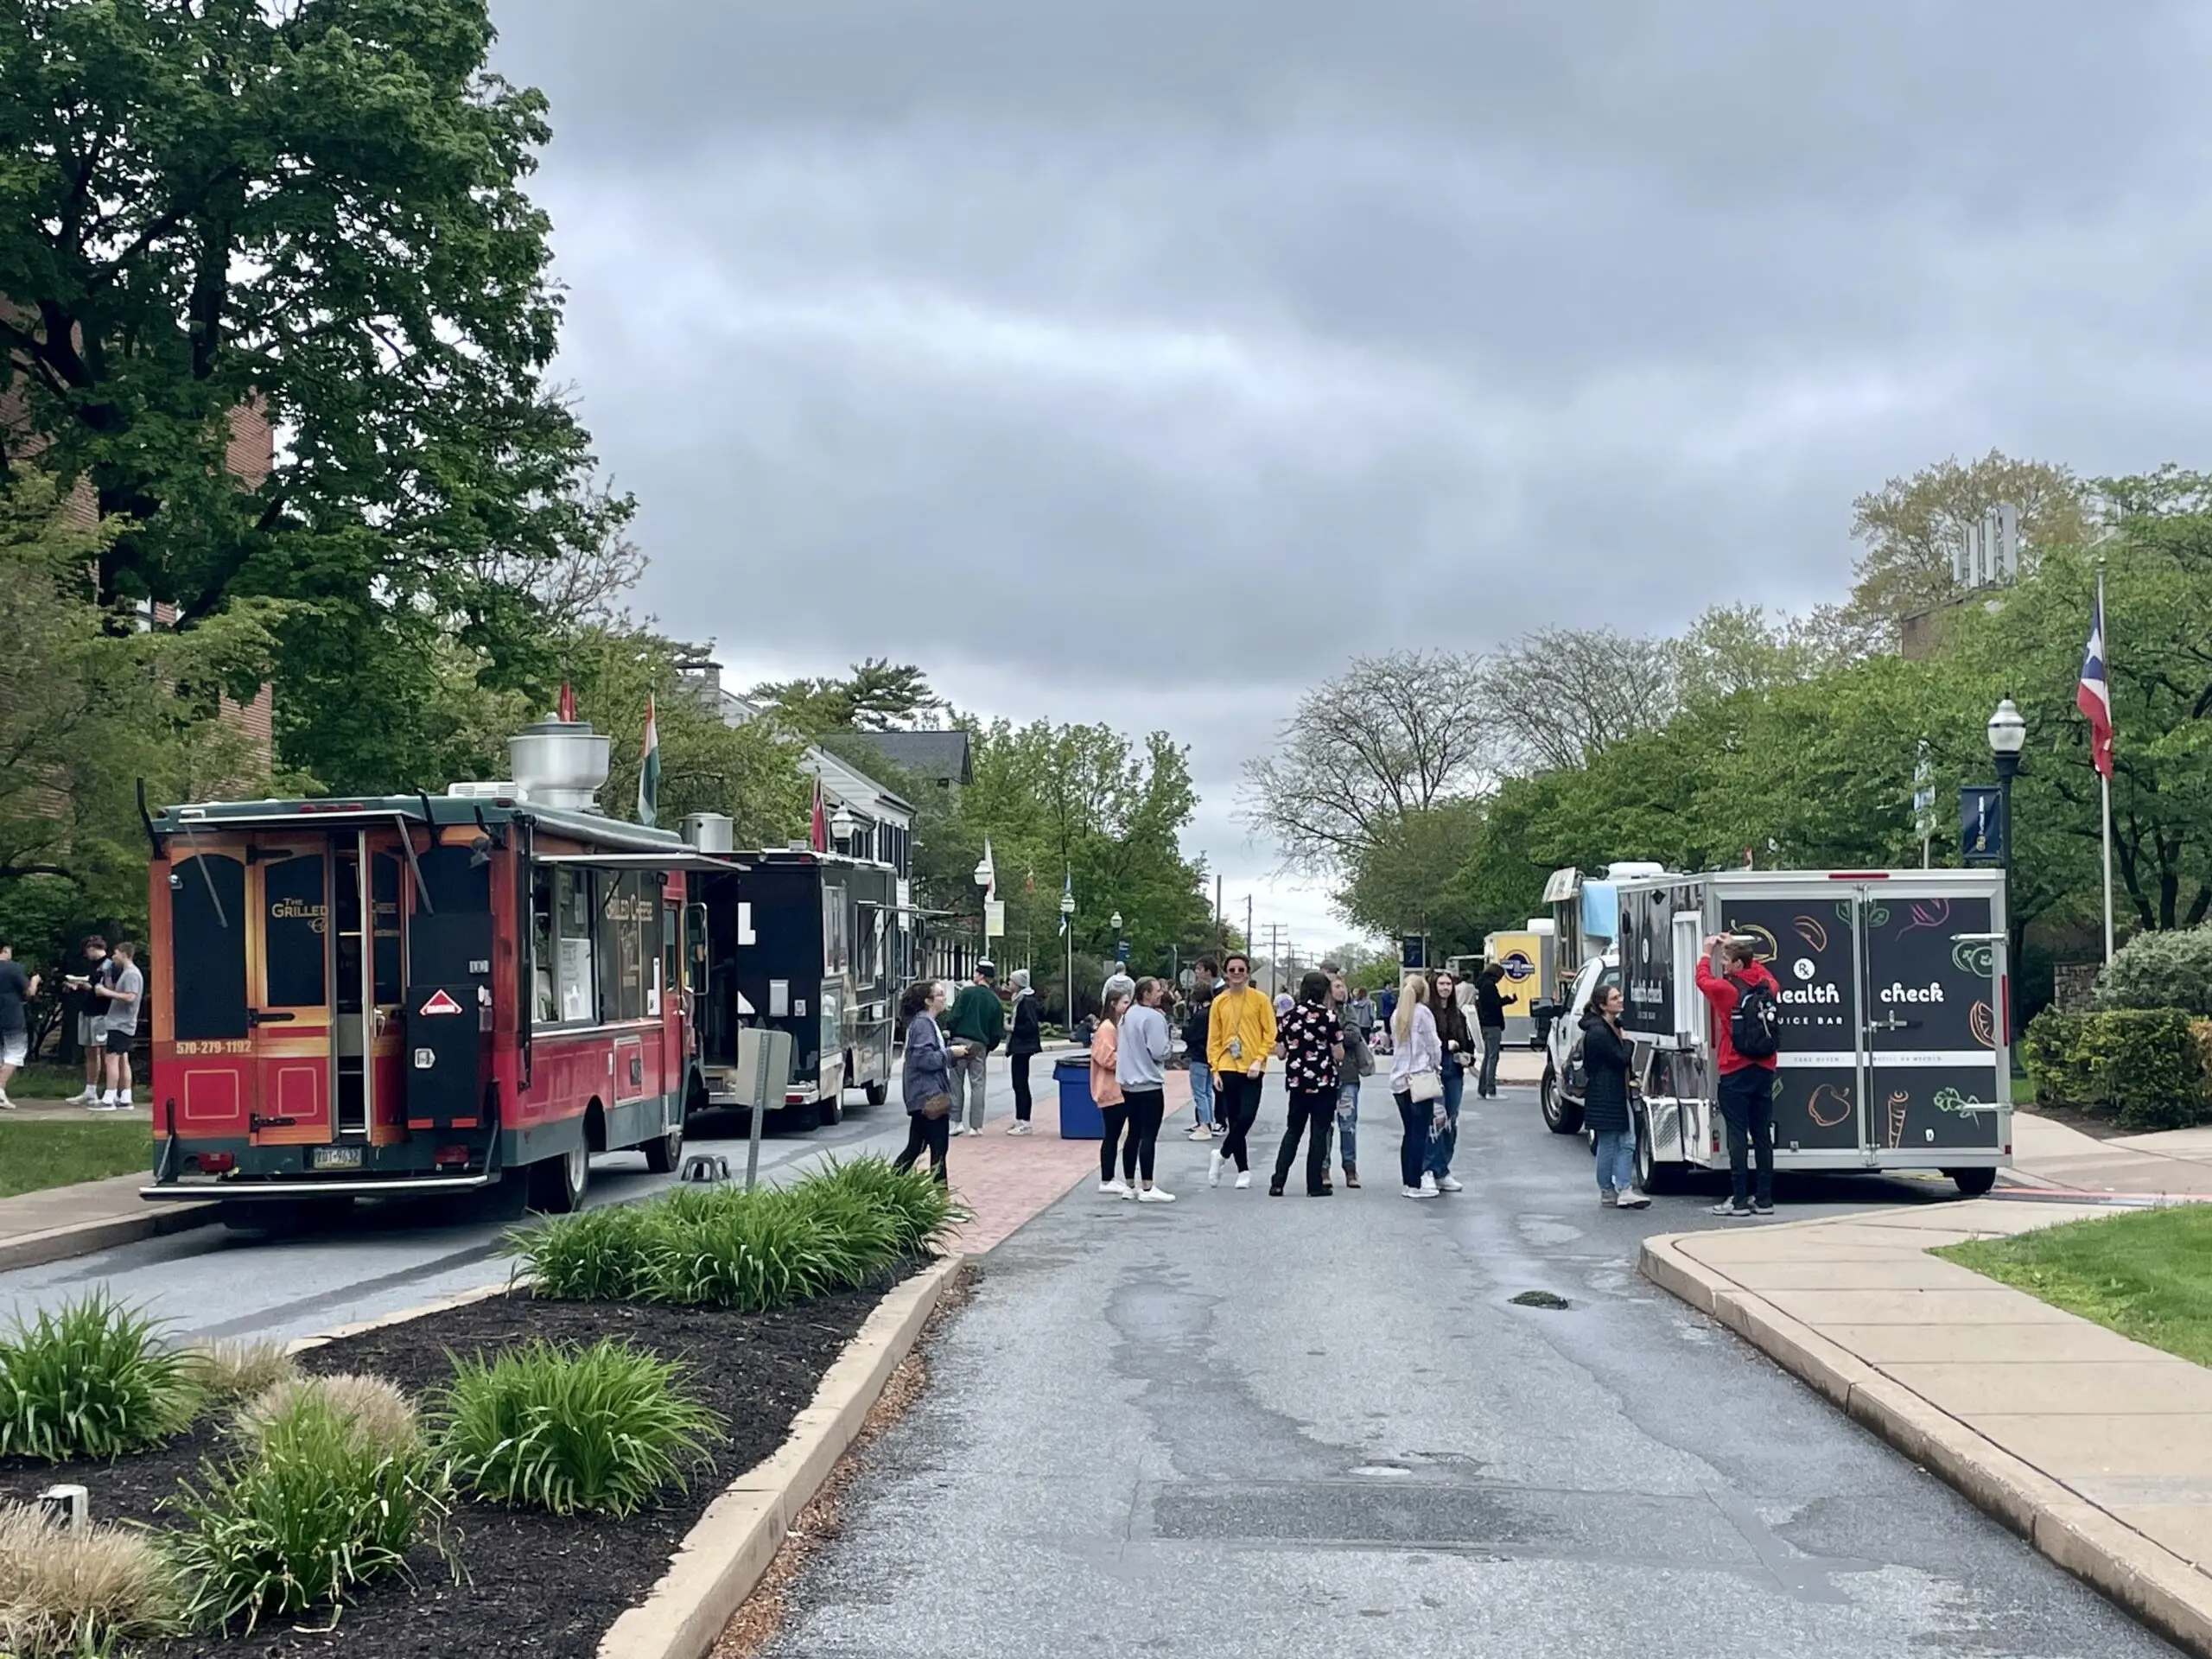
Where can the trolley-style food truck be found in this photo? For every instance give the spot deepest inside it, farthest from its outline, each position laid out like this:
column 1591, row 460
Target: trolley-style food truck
column 415, row 994
column 1893, row 1039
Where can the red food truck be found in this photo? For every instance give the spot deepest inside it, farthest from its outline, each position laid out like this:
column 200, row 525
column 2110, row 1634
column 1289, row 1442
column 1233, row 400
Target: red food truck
column 415, row 993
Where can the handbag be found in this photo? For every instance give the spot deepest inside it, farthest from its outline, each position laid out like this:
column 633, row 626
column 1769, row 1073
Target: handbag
column 936, row 1106
column 1425, row 1084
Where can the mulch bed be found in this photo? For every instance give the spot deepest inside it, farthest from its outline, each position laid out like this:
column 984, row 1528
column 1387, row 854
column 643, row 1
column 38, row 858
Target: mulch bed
column 536, row 1584
column 2100, row 1129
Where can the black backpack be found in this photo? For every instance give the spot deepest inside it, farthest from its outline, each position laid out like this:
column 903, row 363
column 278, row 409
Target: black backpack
column 1754, row 1027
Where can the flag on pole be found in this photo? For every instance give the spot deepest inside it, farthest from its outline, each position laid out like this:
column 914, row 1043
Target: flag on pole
column 987, row 874
column 649, row 769
column 2094, row 696
column 1067, row 901
column 818, row 828
column 567, row 701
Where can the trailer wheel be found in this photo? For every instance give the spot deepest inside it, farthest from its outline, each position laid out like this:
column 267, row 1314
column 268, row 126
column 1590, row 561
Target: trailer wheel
column 557, row 1184
column 1651, row 1175
column 1973, row 1183
column 1561, row 1115
column 877, row 1093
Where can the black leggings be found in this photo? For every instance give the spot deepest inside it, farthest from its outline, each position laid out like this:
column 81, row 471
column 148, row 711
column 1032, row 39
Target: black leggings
column 1146, row 1108
column 1115, row 1118
column 1020, row 1065
column 1237, row 1103
column 1313, row 1115
column 930, row 1134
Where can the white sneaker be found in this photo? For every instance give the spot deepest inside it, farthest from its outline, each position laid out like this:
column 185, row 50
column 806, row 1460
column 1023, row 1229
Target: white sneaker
column 1201, row 1132
column 1243, row 1180
column 1117, row 1188
column 1630, row 1199
column 124, row 1104
column 1213, row 1168
column 958, row 1130
column 6, row 1104
column 82, row 1097
column 1018, row 1128
column 103, row 1104
column 1153, row 1195
column 1421, row 1192
column 1428, row 1188
column 1449, row 1184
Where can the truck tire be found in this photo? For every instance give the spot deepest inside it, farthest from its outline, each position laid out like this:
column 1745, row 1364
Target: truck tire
column 1651, row 1175
column 877, row 1093
column 663, row 1152
column 1973, row 1183
column 1561, row 1115
column 557, row 1184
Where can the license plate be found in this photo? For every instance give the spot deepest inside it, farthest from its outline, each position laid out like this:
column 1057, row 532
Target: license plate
column 335, row 1158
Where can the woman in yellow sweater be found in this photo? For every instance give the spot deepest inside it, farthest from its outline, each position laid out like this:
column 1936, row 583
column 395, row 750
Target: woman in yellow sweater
column 1240, row 1035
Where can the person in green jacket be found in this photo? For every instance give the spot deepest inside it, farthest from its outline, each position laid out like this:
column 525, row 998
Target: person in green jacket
column 978, row 1018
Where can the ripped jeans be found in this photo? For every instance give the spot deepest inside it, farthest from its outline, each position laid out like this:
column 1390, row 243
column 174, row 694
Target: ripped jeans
column 1348, row 1123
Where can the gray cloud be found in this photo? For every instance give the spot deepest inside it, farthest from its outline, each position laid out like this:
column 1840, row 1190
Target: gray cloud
column 1156, row 357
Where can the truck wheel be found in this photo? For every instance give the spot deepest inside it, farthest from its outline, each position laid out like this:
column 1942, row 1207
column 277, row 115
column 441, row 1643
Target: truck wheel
column 1561, row 1115
column 877, row 1093
column 1651, row 1175
column 1973, row 1183
column 557, row 1184
column 664, row 1154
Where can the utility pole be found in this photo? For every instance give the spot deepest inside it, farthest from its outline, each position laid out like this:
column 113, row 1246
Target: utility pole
column 1248, row 922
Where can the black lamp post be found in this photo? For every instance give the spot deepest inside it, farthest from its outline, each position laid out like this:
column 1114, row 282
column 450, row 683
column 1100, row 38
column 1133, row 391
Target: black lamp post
column 1115, row 922
column 2008, row 735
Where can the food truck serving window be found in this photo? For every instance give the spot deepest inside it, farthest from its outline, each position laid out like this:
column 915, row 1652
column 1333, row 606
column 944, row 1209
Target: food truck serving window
column 596, row 945
column 206, row 964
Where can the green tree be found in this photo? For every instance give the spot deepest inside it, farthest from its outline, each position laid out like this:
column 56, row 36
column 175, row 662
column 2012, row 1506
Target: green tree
column 1911, row 527
column 878, row 696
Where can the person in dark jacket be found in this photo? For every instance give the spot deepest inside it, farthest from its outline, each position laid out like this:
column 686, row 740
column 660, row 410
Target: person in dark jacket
column 1194, row 1050
column 1606, row 1055
column 926, row 1081
column 1027, row 1041
column 1489, row 1025
column 1459, row 1042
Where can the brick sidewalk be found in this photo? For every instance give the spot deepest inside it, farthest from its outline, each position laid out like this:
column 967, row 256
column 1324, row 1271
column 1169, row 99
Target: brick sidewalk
column 1008, row 1180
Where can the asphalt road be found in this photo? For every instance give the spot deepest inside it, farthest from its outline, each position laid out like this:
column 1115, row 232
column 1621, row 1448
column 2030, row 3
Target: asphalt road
column 1239, row 1425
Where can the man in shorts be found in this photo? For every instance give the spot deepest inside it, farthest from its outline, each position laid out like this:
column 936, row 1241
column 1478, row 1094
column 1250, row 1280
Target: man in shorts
column 92, row 1015
column 15, row 1025
column 123, row 995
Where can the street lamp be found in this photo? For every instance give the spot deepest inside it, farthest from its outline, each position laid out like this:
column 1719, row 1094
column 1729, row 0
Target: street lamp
column 1067, row 932
column 843, row 825
column 1115, row 922
column 2008, row 735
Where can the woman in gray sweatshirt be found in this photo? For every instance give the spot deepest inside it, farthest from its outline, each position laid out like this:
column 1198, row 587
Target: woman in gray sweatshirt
column 1141, row 1067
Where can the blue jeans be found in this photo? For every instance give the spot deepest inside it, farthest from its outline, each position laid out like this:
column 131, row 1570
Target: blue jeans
column 1348, row 1123
column 1443, row 1143
column 1202, row 1095
column 1616, row 1159
column 1413, row 1151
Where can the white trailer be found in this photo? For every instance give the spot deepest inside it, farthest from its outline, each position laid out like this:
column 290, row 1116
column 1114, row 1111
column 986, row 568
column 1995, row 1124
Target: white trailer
column 1893, row 1040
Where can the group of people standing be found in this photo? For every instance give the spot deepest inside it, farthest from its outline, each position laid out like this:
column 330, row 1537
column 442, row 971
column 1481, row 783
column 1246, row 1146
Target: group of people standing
column 109, row 993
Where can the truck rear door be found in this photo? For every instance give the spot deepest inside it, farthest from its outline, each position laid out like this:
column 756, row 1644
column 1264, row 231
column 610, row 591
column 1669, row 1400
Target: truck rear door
column 290, row 967
column 1934, row 1036
column 1809, row 942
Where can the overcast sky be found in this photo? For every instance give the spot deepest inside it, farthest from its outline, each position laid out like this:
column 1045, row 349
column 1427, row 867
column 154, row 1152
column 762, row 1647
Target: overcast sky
column 1142, row 362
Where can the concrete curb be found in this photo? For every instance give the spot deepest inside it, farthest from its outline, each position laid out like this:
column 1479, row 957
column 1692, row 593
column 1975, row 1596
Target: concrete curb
column 723, row 1556
column 84, row 1238
column 2156, row 1585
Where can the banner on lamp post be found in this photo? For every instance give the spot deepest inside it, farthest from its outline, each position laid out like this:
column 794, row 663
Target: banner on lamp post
column 994, row 918
column 1981, row 824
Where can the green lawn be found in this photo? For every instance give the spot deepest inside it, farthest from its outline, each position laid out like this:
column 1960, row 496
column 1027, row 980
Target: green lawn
column 46, row 1081
column 35, row 1155
column 2146, row 1274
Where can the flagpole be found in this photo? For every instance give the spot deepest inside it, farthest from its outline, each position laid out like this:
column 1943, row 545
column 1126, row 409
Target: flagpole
column 2104, row 776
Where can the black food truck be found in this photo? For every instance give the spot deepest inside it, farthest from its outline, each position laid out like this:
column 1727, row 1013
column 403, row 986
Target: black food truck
column 803, row 942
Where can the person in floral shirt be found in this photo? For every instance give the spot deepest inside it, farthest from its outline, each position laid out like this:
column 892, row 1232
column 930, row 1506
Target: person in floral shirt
column 1313, row 1052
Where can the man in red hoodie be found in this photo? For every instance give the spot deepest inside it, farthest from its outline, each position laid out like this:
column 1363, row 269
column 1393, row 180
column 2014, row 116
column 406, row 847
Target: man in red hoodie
column 1729, row 968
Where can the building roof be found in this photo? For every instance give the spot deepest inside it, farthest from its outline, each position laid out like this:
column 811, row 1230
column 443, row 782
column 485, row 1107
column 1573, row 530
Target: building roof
column 937, row 757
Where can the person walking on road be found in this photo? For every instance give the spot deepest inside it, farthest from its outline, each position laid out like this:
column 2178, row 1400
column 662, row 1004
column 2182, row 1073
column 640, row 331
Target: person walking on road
column 1489, row 1025
column 1141, row 1053
column 1026, row 1042
column 1313, row 1055
column 16, row 991
column 1359, row 1062
column 1459, row 1042
column 1106, row 1081
column 1606, row 1056
column 1745, row 1014
column 1416, row 1082
column 123, row 991
column 1194, row 1050
column 979, row 1022
column 1240, row 1035
column 925, row 1080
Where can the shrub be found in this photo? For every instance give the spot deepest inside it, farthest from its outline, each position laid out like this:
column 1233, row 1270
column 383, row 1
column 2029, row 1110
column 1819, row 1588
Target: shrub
column 920, row 1210
column 64, row 1593
column 90, row 1379
column 317, row 1513
column 593, row 1256
column 2160, row 970
column 2143, row 1068
column 605, row 1427
column 373, row 1410
column 229, row 1371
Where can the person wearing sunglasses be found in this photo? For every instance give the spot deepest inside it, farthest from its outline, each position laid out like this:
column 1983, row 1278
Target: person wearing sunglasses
column 1240, row 1035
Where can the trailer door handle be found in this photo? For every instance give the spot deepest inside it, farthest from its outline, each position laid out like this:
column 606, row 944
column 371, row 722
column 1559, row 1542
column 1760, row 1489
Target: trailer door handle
column 269, row 1017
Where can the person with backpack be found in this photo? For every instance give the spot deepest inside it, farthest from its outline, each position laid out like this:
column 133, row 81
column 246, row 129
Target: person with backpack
column 1747, row 1024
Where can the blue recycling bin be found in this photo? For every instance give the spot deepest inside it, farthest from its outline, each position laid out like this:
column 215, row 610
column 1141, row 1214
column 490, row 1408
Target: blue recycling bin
column 1079, row 1118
